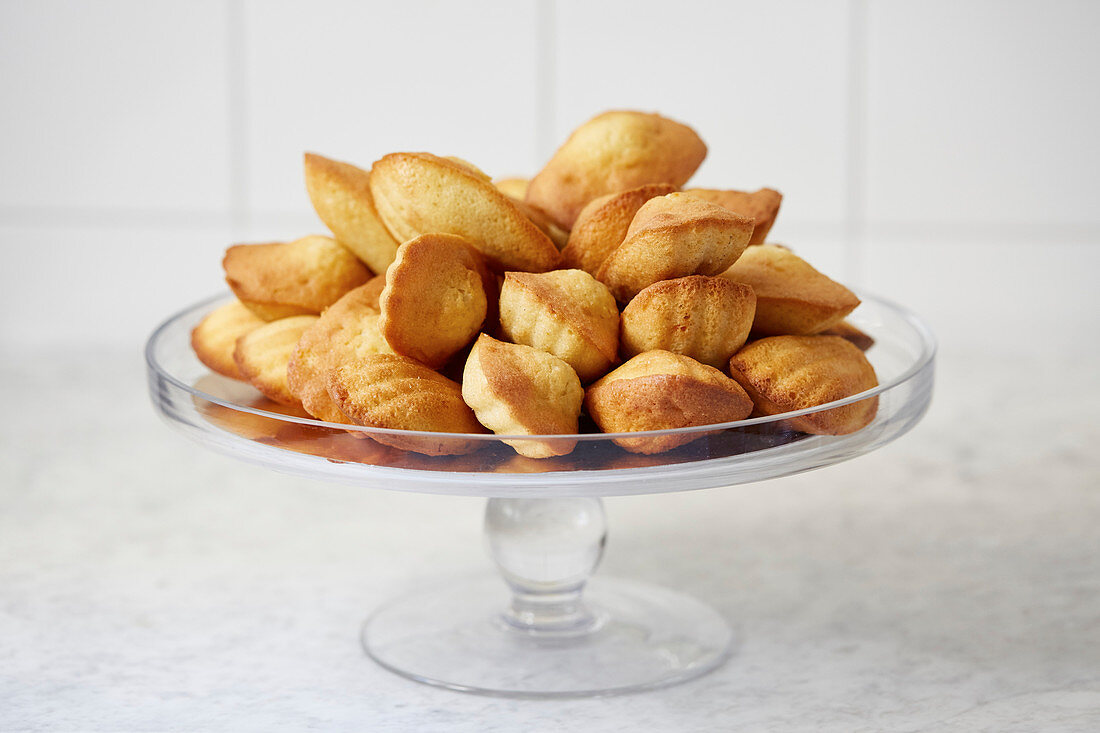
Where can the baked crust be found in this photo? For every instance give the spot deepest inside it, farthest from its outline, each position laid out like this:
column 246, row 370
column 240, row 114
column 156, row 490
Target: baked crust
column 545, row 224
column 214, row 339
column 434, row 301
column 567, row 313
column 340, row 193
column 519, row 390
column 660, row 390
column 674, row 236
column 397, row 393
column 612, row 152
column 602, row 224
column 296, row 278
column 762, row 206
column 372, row 291
column 262, row 356
column 462, row 162
column 706, row 318
column 420, row 193
column 346, row 331
column 785, row 373
column 791, row 296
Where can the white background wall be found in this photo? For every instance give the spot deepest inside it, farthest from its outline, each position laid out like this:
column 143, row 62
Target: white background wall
column 944, row 153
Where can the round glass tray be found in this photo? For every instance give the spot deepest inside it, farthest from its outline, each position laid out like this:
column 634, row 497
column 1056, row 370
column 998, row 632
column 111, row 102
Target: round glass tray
column 544, row 520
column 234, row 418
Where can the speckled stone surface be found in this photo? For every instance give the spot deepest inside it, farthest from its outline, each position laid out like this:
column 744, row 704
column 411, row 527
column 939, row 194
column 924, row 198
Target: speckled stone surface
column 948, row 582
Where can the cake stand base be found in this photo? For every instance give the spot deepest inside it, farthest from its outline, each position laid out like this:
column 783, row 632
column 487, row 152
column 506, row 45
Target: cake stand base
column 637, row 636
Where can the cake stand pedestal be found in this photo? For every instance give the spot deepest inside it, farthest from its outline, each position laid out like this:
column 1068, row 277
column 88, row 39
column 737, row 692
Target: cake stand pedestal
column 543, row 632
column 540, row 629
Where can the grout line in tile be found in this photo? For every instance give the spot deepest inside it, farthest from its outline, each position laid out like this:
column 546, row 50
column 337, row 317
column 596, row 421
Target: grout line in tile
column 546, row 78
column 856, row 142
column 236, row 72
column 980, row 232
column 112, row 217
column 789, row 231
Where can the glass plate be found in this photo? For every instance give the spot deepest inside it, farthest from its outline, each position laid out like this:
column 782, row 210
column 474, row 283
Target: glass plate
column 234, row 418
column 537, row 633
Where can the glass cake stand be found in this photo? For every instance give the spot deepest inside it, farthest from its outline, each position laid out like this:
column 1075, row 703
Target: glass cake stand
column 539, row 628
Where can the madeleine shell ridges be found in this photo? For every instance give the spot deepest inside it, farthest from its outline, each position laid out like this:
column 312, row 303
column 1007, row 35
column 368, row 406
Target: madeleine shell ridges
column 706, row 318
column 660, row 390
column 674, row 236
column 397, row 393
column 345, row 331
column 785, row 373
column 567, row 313
column 602, row 225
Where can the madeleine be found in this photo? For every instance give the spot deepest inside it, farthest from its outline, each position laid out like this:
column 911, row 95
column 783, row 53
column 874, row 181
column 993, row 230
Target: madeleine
column 791, row 296
column 659, row 390
column 785, row 373
column 612, row 152
column 296, row 278
column 674, row 236
column 706, row 318
column 567, row 313
column 518, row 390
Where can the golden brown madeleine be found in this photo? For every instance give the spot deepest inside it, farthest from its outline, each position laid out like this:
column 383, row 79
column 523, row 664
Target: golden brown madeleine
column 761, row 206
column 214, row 339
column 345, row 331
column 785, row 373
column 340, row 193
column 567, row 313
column 791, row 296
column 545, row 224
column 296, row 278
column 420, row 193
column 612, row 152
column 659, row 390
column 674, row 236
column 602, row 225
column 514, row 187
column 434, row 301
column 706, row 318
column 469, row 166
column 518, row 390
column 396, row 393
column 372, row 291
column 860, row 339
column 262, row 356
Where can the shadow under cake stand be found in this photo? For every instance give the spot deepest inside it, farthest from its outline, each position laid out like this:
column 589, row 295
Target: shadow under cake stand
column 539, row 628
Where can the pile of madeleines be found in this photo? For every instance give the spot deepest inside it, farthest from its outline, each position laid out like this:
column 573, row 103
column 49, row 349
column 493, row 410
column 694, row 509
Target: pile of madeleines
column 450, row 303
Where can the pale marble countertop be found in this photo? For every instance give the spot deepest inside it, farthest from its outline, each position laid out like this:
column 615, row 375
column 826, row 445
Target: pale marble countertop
column 948, row 582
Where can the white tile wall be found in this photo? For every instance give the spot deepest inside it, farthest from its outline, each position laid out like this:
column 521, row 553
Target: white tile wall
column 118, row 104
column 764, row 84
column 102, row 285
column 943, row 153
column 995, row 297
column 984, row 111
column 357, row 80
